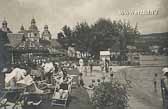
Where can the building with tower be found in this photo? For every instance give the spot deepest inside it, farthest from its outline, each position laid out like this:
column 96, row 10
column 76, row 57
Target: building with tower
column 33, row 33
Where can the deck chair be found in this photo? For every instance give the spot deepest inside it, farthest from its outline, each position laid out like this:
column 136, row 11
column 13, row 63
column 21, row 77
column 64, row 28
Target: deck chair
column 61, row 101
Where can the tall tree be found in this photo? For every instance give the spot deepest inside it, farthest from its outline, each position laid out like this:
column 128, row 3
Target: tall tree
column 101, row 35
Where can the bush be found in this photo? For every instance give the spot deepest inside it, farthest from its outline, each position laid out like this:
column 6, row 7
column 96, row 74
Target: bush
column 112, row 95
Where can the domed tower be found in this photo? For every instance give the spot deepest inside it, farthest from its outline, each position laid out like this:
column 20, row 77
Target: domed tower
column 4, row 27
column 33, row 26
column 33, row 32
column 46, row 35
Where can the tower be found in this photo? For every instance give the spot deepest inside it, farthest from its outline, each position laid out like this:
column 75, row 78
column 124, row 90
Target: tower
column 46, row 35
column 33, row 32
column 4, row 27
column 33, row 26
column 22, row 29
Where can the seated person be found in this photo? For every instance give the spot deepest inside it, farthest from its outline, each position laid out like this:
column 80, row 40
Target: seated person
column 16, row 75
column 30, row 85
column 56, row 94
column 61, row 91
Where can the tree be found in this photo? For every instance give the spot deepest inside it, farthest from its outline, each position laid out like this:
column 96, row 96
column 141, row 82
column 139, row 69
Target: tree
column 82, row 35
column 101, row 35
column 110, row 95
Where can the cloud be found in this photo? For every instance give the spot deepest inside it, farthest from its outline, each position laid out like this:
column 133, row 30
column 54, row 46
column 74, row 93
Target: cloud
column 57, row 13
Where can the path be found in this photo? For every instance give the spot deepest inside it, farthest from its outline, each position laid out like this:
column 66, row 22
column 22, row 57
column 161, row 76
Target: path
column 141, row 95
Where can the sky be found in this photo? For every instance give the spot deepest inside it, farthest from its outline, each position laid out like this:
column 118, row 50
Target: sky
column 57, row 13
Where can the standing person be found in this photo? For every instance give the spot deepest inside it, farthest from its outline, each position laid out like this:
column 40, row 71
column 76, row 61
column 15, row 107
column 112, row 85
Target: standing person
column 155, row 82
column 111, row 74
column 80, row 80
column 106, row 66
column 101, row 65
column 81, row 65
column 91, row 66
column 164, row 86
column 86, row 70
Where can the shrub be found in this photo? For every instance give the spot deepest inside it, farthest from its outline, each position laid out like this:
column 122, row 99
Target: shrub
column 112, row 95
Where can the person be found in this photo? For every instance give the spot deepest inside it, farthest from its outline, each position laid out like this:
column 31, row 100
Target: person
column 85, row 70
column 16, row 75
column 164, row 86
column 64, row 86
column 56, row 66
column 91, row 66
column 111, row 74
column 98, row 82
column 165, row 78
column 80, row 80
column 48, row 71
column 91, row 88
column 155, row 82
column 101, row 65
column 37, row 73
column 56, row 94
column 81, row 64
column 106, row 66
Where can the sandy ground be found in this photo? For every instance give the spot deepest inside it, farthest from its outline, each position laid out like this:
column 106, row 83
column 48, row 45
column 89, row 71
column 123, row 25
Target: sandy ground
column 141, row 94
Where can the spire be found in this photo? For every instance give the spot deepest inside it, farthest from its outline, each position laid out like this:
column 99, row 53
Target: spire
column 33, row 26
column 33, row 21
column 22, row 28
column 45, row 27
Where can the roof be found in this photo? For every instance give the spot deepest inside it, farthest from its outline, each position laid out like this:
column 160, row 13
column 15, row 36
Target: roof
column 30, row 46
column 104, row 53
column 15, row 39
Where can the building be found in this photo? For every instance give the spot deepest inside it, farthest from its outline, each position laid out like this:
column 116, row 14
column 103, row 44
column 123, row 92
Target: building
column 33, row 33
column 29, row 45
column 146, row 41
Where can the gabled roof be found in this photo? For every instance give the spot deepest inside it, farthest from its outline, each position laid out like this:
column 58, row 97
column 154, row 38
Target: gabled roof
column 15, row 39
column 30, row 46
